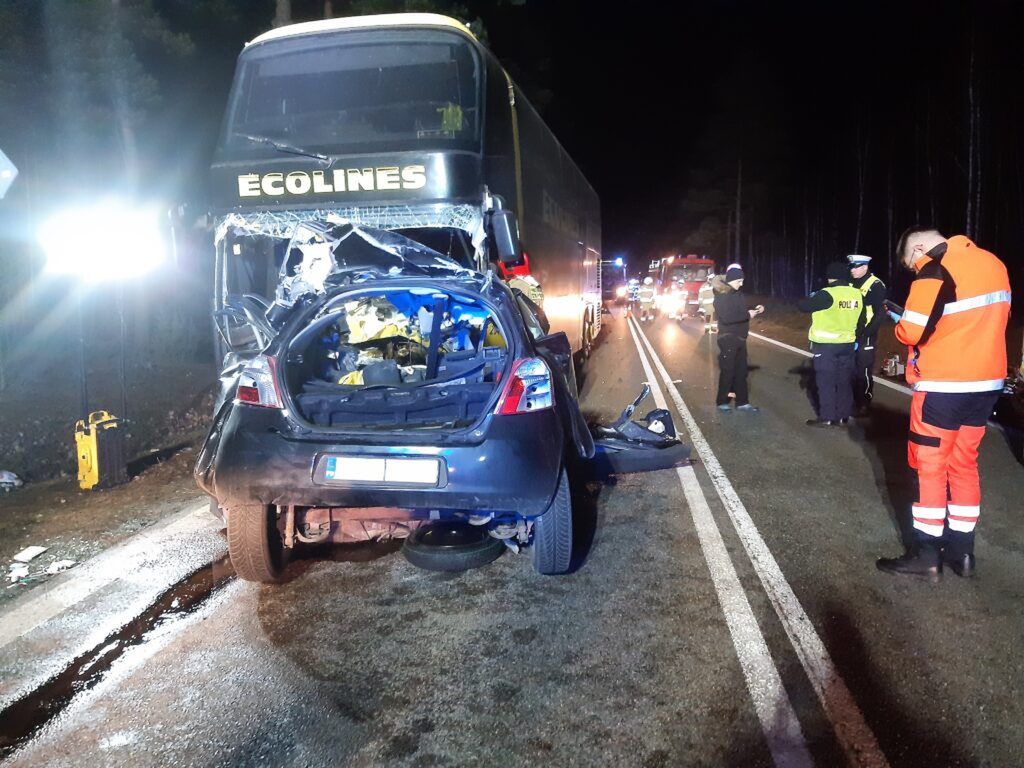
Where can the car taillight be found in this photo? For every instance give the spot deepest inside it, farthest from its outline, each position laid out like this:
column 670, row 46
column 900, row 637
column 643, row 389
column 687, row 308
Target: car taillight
column 257, row 383
column 528, row 389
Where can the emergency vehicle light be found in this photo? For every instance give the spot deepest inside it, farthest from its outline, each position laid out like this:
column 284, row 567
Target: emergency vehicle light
column 105, row 241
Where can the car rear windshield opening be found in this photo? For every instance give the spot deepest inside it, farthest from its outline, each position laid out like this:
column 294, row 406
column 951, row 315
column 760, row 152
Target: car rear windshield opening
column 376, row 361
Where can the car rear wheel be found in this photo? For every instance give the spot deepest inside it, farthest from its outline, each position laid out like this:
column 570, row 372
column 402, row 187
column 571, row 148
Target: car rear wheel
column 451, row 546
column 254, row 543
column 552, row 532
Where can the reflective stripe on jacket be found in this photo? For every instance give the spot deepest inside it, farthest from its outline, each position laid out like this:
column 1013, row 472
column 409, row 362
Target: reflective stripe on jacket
column 955, row 320
column 864, row 288
column 838, row 323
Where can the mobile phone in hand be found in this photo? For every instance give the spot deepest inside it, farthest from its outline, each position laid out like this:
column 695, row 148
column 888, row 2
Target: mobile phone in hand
column 892, row 306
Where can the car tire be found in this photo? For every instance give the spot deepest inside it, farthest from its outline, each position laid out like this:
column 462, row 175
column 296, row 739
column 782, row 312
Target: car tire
column 254, row 543
column 451, row 546
column 552, row 532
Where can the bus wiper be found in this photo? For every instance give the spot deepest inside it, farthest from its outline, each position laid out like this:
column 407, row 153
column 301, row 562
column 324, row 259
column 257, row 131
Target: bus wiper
column 282, row 147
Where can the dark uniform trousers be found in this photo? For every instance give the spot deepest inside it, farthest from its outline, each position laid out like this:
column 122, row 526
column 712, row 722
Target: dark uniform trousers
column 833, row 372
column 732, row 365
column 863, row 382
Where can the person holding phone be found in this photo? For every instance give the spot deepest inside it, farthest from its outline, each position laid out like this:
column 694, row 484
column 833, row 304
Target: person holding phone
column 730, row 307
column 954, row 326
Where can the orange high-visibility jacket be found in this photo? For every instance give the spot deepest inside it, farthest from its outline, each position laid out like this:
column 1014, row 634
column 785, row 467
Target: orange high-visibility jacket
column 955, row 320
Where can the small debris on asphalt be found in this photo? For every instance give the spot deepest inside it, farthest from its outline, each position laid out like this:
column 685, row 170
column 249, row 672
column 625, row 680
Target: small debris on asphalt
column 58, row 566
column 18, row 571
column 28, row 553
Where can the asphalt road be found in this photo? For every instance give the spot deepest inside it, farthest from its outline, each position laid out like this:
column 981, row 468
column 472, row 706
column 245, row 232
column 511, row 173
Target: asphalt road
column 724, row 615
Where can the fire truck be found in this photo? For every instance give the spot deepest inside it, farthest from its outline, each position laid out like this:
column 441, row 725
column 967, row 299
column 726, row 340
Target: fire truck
column 679, row 279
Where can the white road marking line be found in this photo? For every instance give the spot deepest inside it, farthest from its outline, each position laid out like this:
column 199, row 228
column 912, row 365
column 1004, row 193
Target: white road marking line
column 852, row 731
column 774, row 710
column 805, row 353
column 117, row 562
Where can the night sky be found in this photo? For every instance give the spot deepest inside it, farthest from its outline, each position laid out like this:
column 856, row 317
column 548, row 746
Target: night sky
column 816, row 99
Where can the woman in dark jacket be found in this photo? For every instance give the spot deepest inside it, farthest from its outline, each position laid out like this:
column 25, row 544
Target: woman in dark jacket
column 733, row 326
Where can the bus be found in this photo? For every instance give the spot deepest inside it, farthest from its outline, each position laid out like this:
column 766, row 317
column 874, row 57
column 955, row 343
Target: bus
column 404, row 122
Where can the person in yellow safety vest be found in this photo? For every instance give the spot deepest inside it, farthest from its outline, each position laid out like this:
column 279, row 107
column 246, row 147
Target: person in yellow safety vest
column 875, row 293
column 837, row 321
column 706, row 305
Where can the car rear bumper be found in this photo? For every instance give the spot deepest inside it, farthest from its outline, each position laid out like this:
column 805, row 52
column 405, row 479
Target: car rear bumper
column 513, row 469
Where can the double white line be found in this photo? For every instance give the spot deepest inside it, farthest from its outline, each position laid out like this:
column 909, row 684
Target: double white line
column 771, row 702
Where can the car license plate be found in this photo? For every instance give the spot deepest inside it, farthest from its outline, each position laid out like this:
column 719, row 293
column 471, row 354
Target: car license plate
column 363, row 469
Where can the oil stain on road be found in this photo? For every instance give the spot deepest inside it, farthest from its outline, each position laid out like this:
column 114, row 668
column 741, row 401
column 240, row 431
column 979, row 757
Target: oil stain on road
column 24, row 718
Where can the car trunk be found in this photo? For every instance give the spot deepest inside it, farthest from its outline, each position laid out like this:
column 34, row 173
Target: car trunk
column 397, row 358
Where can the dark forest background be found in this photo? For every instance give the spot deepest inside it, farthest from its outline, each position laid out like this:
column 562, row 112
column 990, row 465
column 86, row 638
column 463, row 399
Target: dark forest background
column 779, row 135
column 784, row 135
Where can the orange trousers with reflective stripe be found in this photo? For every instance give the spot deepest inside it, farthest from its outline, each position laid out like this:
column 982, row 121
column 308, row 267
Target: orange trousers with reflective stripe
column 945, row 433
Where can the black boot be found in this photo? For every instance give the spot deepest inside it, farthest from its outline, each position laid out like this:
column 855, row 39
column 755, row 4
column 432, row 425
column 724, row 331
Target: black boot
column 962, row 565
column 958, row 552
column 923, row 562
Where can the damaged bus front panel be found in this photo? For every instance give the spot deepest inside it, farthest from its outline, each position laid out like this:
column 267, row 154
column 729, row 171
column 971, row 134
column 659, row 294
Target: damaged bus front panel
column 405, row 123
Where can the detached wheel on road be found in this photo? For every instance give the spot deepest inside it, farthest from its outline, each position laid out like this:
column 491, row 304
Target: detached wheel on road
column 254, row 543
column 552, row 532
column 451, row 546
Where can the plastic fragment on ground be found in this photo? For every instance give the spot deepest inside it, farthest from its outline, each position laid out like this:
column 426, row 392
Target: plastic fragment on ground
column 58, row 566
column 17, row 573
column 28, row 553
column 9, row 480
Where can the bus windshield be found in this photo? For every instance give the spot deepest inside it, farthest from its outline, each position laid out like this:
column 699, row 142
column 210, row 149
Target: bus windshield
column 356, row 91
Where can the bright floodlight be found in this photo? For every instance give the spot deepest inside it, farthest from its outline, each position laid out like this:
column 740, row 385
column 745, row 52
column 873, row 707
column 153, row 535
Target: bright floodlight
column 618, row 261
column 106, row 241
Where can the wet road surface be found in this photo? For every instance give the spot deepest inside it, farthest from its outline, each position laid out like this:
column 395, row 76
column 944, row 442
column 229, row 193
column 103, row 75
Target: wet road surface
column 728, row 614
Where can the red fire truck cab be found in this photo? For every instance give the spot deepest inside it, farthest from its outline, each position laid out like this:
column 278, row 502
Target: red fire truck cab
column 681, row 278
